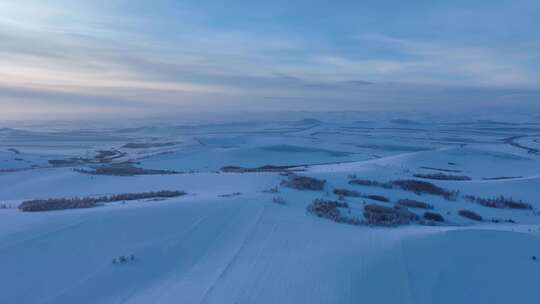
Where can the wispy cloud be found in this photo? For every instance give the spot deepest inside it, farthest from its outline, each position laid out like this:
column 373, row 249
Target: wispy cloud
column 103, row 56
column 465, row 65
column 431, row 63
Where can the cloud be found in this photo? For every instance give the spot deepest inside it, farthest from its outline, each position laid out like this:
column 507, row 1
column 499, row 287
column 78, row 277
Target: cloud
column 63, row 54
column 359, row 82
column 457, row 65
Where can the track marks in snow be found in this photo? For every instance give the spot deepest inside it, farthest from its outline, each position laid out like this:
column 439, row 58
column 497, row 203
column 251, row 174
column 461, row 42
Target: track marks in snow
column 251, row 232
column 204, row 255
column 39, row 235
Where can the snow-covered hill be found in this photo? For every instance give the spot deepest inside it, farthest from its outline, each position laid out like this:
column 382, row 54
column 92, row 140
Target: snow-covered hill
column 227, row 241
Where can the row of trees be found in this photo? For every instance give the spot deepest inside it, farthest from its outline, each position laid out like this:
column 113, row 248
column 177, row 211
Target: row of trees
column 88, row 202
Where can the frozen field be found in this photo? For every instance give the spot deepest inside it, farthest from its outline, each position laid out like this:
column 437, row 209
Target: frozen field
column 240, row 236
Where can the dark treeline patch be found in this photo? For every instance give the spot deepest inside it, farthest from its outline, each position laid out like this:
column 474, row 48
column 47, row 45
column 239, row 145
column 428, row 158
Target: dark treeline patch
column 441, row 169
column 107, row 155
column 58, row 204
column 414, row 204
column 230, row 194
column 499, row 202
column 145, row 145
column 433, row 216
column 266, row 168
column 331, row 210
column 372, row 183
column 279, row 200
column 352, row 193
column 377, row 197
column 420, row 187
column 501, row 177
column 88, row 202
column 394, row 148
column 142, row 195
column 102, row 157
column 124, row 169
column 441, row 176
column 349, row 193
column 470, row 214
column 68, row 162
column 387, row 216
column 410, row 185
column 303, row 183
column 11, row 170
column 510, row 221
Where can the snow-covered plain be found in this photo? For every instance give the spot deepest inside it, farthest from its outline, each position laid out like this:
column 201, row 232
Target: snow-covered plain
column 228, row 242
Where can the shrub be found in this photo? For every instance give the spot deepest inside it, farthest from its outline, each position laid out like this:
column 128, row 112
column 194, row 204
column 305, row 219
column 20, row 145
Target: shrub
column 371, row 183
column 326, row 209
column 387, row 216
column 67, row 162
column 279, row 200
column 230, row 194
column 414, row 204
column 441, row 169
column 272, row 190
column 123, row 259
column 349, row 220
column 433, row 216
column 144, row 145
column 123, row 170
column 88, row 202
column 501, row 177
column 304, row 183
column 352, row 193
column 499, row 202
column 265, row 168
column 58, row 204
column 345, row 192
column 441, row 176
column 331, row 210
column 470, row 215
column 420, row 187
column 141, row 195
column 379, row 198
column 511, row 221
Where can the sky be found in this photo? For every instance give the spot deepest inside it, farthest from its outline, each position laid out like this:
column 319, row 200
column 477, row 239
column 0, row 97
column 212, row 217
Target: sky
column 106, row 58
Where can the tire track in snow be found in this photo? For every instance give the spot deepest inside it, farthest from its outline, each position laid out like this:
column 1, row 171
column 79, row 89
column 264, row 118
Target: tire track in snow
column 234, row 258
column 102, row 269
column 409, row 297
column 257, row 260
column 184, row 275
column 43, row 235
column 172, row 241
